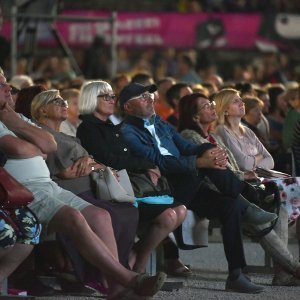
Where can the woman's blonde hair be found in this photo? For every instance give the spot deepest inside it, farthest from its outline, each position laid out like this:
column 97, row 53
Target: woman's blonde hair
column 252, row 102
column 223, row 99
column 89, row 92
column 41, row 100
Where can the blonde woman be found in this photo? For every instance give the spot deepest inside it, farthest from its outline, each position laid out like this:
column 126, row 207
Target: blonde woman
column 247, row 149
column 249, row 153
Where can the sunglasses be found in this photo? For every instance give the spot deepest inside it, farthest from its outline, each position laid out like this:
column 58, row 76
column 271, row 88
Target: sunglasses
column 59, row 102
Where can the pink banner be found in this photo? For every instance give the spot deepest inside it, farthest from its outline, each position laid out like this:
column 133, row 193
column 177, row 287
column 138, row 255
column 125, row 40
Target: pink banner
column 213, row 31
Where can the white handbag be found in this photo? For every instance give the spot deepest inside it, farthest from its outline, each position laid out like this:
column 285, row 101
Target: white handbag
column 107, row 187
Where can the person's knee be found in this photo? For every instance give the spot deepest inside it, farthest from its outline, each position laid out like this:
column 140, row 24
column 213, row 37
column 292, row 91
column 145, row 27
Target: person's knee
column 96, row 213
column 181, row 212
column 69, row 220
column 167, row 219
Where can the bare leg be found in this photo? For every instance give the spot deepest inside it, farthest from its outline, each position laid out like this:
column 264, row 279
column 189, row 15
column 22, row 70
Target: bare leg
column 99, row 221
column 72, row 223
column 11, row 258
column 165, row 223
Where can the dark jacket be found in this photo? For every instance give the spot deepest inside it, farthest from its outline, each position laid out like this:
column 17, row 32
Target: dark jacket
column 104, row 142
column 184, row 153
column 180, row 167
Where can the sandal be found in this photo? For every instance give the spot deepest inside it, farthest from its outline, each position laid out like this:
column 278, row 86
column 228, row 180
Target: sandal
column 147, row 285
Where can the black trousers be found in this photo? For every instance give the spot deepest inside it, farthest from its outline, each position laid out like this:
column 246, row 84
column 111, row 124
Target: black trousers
column 211, row 204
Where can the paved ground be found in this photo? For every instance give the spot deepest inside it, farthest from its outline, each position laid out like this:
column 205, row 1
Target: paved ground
column 208, row 281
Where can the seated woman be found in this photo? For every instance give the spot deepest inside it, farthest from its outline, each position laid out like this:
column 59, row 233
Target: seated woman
column 291, row 96
column 69, row 126
column 241, row 140
column 247, row 151
column 70, row 166
column 24, row 99
column 276, row 116
column 277, row 112
column 253, row 116
column 103, row 140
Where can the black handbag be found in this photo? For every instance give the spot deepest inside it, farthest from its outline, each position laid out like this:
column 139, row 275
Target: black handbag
column 144, row 187
column 267, row 197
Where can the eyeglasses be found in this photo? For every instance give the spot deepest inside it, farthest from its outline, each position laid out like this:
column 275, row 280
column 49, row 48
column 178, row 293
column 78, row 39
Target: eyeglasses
column 108, row 97
column 208, row 106
column 59, row 102
column 144, row 97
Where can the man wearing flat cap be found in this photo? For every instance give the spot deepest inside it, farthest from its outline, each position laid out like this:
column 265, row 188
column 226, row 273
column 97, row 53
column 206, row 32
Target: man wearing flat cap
column 185, row 165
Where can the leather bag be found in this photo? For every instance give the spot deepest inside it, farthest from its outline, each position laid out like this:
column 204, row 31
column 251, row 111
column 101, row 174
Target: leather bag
column 12, row 193
column 107, row 187
column 144, row 187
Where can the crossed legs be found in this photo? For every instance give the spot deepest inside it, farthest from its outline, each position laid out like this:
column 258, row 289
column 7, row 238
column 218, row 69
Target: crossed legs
column 157, row 230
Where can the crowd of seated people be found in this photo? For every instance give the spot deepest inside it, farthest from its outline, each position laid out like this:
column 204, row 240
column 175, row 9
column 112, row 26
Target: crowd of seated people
column 95, row 114
column 61, row 211
column 196, row 115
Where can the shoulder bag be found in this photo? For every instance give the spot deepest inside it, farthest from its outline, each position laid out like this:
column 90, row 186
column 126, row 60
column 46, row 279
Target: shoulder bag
column 144, row 187
column 109, row 188
column 14, row 195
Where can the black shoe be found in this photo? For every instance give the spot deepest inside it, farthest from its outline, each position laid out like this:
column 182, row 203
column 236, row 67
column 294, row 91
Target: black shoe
column 242, row 285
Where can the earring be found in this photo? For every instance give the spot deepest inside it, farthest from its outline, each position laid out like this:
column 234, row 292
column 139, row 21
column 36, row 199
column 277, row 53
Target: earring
column 196, row 118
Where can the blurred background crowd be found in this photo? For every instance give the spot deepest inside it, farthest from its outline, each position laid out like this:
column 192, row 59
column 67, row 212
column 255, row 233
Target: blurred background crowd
column 252, row 70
